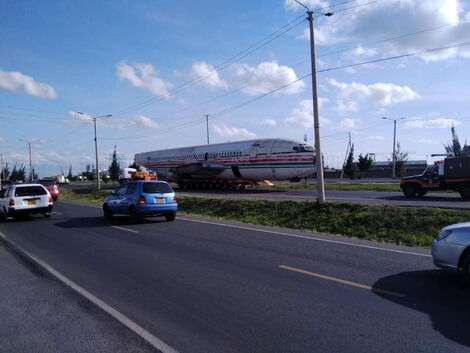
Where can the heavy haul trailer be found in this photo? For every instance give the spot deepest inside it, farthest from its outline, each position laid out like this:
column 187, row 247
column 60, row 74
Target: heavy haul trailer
column 452, row 173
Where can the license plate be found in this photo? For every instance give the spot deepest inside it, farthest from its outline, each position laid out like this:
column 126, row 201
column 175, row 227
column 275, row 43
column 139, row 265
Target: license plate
column 30, row 202
column 160, row 199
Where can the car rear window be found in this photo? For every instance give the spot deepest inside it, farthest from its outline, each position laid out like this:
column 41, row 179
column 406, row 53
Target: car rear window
column 29, row 191
column 47, row 182
column 155, row 188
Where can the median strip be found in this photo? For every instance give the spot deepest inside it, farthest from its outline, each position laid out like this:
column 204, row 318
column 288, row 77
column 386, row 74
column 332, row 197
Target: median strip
column 342, row 281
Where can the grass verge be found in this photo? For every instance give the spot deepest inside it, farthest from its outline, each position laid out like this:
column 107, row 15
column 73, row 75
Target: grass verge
column 412, row 226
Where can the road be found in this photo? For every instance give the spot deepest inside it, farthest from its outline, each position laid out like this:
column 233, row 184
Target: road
column 205, row 286
column 442, row 200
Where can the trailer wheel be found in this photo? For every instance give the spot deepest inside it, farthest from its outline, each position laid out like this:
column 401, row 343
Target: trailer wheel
column 465, row 193
column 409, row 190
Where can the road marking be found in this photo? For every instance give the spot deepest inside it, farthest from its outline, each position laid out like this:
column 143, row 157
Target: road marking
column 286, row 234
column 126, row 229
column 57, row 213
column 342, row 281
column 306, row 237
column 140, row 331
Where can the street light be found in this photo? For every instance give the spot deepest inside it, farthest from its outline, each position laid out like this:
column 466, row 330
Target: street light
column 394, row 155
column 96, row 146
column 30, row 163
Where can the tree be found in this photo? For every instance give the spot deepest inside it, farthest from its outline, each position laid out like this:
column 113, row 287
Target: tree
column 401, row 158
column 365, row 162
column 135, row 166
column 350, row 168
column 70, row 175
column 34, row 174
column 6, row 172
column 114, row 167
column 454, row 148
column 18, row 173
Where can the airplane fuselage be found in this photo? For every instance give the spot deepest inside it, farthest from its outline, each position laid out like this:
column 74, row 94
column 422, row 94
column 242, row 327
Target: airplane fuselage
column 251, row 160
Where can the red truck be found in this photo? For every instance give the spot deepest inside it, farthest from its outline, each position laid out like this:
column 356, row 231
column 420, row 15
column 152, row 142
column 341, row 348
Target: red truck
column 453, row 173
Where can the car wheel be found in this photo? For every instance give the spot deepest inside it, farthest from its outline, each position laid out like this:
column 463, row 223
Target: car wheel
column 466, row 268
column 134, row 215
column 170, row 217
column 107, row 213
column 409, row 190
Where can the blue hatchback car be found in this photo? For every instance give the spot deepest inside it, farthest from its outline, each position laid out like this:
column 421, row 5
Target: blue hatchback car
column 142, row 198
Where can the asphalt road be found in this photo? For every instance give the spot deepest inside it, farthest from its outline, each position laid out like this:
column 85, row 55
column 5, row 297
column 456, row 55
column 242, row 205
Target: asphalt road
column 442, row 200
column 209, row 286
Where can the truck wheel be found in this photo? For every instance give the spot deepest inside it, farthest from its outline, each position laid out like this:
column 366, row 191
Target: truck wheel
column 466, row 268
column 465, row 193
column 421, row 192
column 409, row 190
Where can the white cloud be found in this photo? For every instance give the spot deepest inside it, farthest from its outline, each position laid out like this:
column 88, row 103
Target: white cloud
column 302, row 115
column 232, row 131
column 361, row 51
column 312, row 4
column 391, row 18
column 375, row 138
column 208, row 74
column 266, row 77
column 16, row 81
column 145, row 122
column 437, row 123
column 145, row 76
column 348, row 124
column 2, row 139
column 265, row 122
column 378, row 93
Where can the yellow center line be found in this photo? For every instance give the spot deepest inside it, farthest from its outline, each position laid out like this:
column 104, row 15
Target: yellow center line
column 342, row 281
column 126, row 229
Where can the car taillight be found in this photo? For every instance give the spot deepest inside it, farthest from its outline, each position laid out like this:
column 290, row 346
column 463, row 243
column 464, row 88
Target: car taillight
column 50, row 199
column 141, row 199
column 175, row 200
column 12, row 202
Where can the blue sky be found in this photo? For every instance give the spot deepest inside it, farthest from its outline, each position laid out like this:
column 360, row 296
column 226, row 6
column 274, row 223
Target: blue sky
column 107, row 57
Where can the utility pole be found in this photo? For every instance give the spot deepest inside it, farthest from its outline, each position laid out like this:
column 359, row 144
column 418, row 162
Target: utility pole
column 394, row 155
column 316, row 116
column 1, row 171
column 30, row 162
column 207, row 127
column 346, row 156
column 96, row 147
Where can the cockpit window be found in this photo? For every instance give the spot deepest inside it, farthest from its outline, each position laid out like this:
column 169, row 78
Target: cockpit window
column 303, row 148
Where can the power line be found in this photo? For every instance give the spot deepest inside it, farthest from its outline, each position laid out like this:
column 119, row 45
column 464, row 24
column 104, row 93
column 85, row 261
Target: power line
column 259, row 44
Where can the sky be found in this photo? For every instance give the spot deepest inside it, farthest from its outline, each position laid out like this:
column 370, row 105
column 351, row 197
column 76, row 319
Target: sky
column 158, row 67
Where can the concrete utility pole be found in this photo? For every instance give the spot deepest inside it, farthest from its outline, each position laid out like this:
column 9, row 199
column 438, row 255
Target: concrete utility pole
column 207, row 127
column 96, row 148
column 316, row 116
column 30, row 160
column 346, row 156
column 1, row 170
column 394, row 155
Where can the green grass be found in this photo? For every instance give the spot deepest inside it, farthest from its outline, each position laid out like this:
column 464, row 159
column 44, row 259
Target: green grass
column 412, row 226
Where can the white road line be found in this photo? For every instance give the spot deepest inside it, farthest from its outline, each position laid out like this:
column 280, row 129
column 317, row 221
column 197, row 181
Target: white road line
column 306, row 237
column 140, row 331
column 126, row 229
column 289, row 235
column 57, row 213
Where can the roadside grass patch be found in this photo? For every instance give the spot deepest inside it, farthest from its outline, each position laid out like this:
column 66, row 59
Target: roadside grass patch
column 415, row 226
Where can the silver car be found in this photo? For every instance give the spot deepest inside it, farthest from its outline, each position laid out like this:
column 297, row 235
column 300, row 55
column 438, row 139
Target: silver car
column 451, row 248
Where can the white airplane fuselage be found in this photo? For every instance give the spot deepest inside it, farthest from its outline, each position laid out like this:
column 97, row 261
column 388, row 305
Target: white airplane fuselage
column 251, row 160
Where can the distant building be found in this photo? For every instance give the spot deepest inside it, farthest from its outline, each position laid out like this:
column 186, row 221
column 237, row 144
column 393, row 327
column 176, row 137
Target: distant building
column 383, row 165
